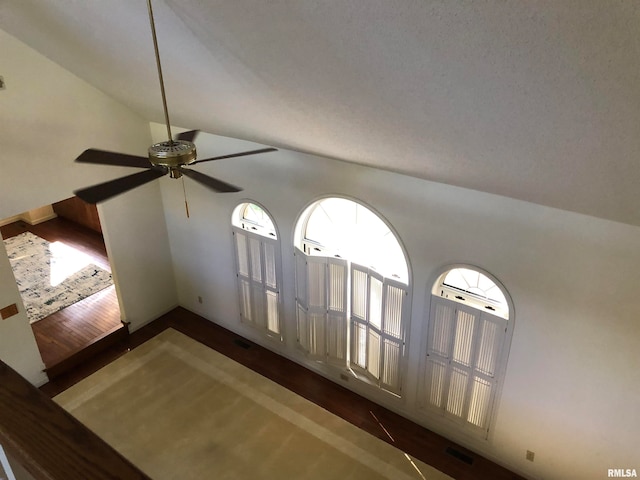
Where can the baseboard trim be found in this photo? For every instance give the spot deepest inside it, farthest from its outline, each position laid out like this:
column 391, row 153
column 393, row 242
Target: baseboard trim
column 9, row 220
column 42, row 219
column 23, row 218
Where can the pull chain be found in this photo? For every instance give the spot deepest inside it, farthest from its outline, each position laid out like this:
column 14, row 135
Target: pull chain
column 184, row 191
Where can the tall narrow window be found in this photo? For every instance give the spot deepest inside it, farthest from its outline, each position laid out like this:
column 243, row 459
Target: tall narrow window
column 352, row 291
column 258, row 268
column 466, row 348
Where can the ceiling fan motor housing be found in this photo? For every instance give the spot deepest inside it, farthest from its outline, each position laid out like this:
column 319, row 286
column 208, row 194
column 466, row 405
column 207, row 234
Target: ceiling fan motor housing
column 172, row 154
column 166, row 157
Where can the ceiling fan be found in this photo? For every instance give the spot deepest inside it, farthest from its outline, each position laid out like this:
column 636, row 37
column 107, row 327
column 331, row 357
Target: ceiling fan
column 169, row 157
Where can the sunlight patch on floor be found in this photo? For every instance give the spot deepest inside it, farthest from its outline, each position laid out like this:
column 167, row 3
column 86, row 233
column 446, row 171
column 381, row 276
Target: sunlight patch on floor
column 65, row 261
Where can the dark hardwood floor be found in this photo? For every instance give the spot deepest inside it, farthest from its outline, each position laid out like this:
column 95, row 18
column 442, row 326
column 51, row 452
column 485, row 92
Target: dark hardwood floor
column 384, row 424
column 67, row 332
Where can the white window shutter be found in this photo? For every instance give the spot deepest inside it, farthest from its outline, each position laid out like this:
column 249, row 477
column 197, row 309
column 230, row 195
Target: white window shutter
column 301, row 277
column 257, row 287
column 359, row 292
column 439, row 345
column 394, row 308
column 311, row 298
column 269, row 253
column 255, row 258
column 258, row 270
column 391, row 378
column 244, row 279
column 461, row 361
column 317, row 306
column 376, row 282
column 482, row 390
column 337, row 301
column 241, row 253
column 359, row 345
column 378, row 310
column 273, row 311
column 270, row 284
column 359, row 315
column 302, row 300
column 245, row 300
column 258, row 300
column 394, row 304
column 463, row 348
column 317, row 284
column 302, row 325
column 317, row 335
column 373, row 353
column 491, row 335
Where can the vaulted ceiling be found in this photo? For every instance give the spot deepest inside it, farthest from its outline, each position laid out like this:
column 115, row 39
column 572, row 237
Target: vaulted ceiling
column 535, row 100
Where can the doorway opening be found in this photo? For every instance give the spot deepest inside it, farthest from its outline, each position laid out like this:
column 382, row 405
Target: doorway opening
column 63, row 273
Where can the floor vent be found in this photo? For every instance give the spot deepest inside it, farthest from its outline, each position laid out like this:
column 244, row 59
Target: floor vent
column 459, row 455
column 241, row 343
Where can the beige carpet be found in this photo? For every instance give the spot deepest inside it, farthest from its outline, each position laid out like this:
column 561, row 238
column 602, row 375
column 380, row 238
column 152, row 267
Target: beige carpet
column 179, row 410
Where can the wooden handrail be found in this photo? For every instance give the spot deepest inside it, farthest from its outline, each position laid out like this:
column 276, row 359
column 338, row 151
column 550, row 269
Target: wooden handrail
column 48, row 442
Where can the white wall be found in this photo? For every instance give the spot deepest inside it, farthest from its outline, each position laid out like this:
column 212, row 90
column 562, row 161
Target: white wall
column 48, row 117
column 18, row 347
column 572, row 387
column 138, row 247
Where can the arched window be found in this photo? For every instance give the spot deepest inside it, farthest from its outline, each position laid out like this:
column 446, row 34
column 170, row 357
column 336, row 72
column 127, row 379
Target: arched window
column 352, row 286
column 253, row 218
column 258, row 266
column 346, row 229
column 467, row 342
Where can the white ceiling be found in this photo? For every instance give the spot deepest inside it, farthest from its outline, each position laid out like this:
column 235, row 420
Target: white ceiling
column 536, row 100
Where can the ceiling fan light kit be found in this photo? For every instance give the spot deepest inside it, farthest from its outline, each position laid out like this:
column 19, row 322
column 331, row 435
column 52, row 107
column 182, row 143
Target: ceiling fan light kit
column 168, row 157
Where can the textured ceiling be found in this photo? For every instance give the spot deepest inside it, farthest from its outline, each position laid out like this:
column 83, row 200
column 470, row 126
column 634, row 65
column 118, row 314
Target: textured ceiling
column 536, row 100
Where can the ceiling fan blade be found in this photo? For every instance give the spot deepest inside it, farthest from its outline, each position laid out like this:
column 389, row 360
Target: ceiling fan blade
column 210, row 182
column 187, row 136
column 102, row 157
column 241, row 154
column 104, row 191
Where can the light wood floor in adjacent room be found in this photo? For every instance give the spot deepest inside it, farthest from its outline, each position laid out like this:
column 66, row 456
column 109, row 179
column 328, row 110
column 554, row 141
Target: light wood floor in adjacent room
column 72, row 329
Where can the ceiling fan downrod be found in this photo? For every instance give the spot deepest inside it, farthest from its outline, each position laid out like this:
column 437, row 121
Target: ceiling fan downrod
column 157, row 52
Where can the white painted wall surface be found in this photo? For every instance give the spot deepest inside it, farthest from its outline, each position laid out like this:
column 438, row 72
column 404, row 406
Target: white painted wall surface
column 48, row 118
column 138, row 247
column 572, row 386
column 18, row 347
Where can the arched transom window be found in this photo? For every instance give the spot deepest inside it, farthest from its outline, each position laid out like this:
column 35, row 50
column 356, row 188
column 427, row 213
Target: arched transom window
column 352, row 287
column 253, row 218
column 346, row 229
column 474, row 288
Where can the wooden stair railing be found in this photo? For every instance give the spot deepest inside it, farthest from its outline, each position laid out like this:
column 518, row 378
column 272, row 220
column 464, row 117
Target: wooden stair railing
column 48, row 442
